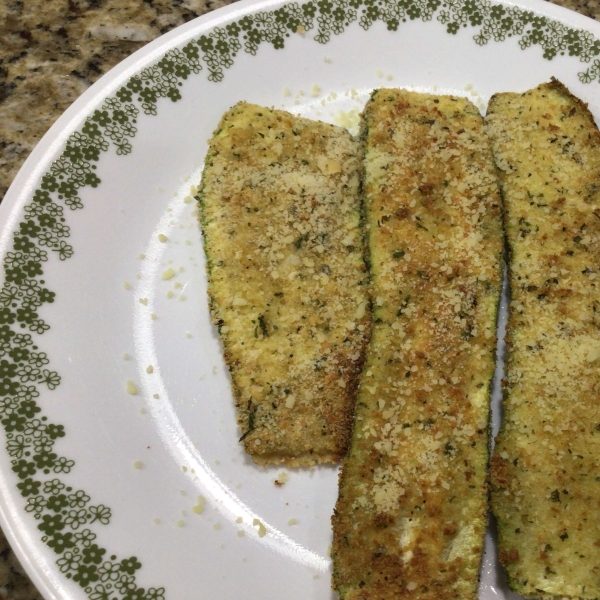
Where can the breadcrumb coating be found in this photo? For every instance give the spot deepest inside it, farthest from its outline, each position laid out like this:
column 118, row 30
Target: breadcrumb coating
column 546, row 464
column 281, row 216
column 411, row 513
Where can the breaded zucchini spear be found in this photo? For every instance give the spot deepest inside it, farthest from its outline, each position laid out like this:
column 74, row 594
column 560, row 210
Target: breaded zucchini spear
column 546, row 464
column 280, row 212
column 411, row 514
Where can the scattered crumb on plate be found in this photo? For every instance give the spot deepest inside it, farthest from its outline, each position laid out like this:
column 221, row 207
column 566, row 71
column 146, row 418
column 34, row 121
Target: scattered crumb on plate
column 199, row 508
column 262, row 530
column 281, row 479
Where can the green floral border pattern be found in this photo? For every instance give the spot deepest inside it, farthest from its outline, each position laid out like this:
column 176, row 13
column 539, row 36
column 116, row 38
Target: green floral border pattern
column 65, row 515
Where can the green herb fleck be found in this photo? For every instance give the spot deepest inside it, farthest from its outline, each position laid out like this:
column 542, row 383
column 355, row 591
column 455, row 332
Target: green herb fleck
column 302, row 238
column 263, row 325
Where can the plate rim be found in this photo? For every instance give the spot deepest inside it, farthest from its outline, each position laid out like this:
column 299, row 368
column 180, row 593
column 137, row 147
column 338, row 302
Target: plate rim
column 20, row 191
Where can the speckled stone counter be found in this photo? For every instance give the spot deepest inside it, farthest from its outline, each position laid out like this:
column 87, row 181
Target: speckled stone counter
column 51, row 51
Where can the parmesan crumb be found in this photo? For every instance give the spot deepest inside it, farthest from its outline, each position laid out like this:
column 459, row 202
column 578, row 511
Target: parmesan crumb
column 262, row 530
column 199, row 508
column 350, row 120
column 149, row 369
column 143, row 301
column 162, row 238
column 127, row 285
column 292, row 521
column 168, row 274
column 180, row 523
column 281, row 479
column 131, row 388
column 137, row 464
column 593, row 354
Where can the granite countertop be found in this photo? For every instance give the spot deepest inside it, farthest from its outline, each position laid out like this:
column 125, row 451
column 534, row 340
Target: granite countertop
column 51, row 51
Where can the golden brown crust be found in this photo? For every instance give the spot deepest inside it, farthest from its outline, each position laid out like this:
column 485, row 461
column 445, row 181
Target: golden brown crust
column 411, row 512
column 280, row 211
column 544, row 490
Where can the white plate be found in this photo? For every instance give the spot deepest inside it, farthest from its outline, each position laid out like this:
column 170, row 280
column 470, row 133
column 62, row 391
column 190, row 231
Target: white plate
column 129, row 155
